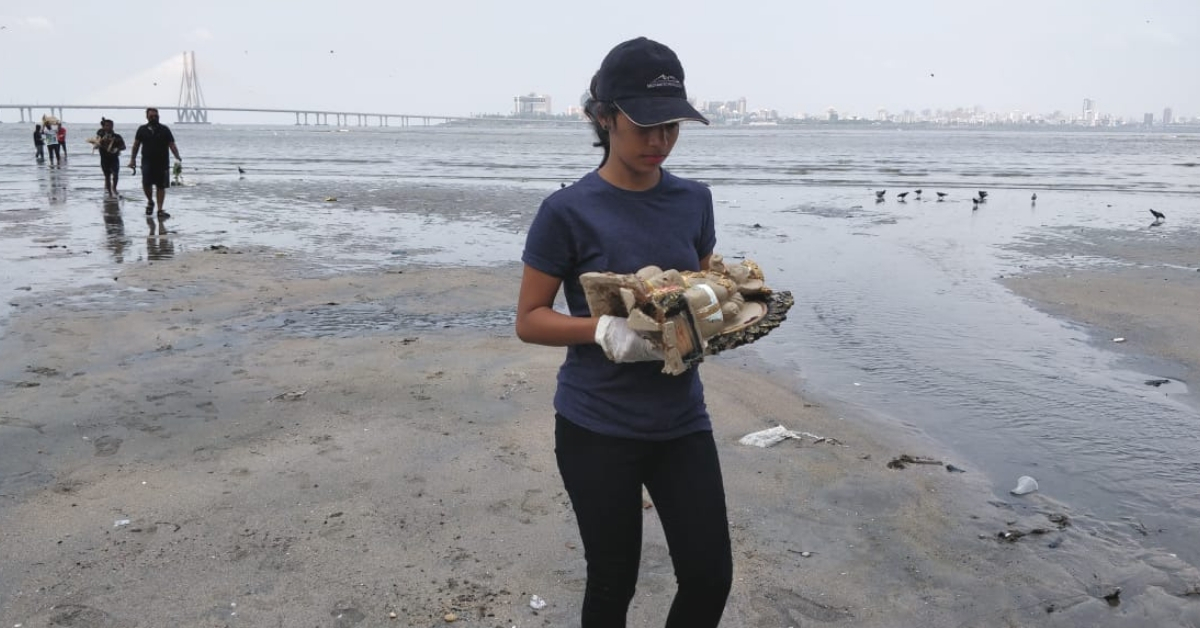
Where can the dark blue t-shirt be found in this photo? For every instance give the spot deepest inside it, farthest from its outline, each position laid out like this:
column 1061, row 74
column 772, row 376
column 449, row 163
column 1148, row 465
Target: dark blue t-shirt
column 594, row 226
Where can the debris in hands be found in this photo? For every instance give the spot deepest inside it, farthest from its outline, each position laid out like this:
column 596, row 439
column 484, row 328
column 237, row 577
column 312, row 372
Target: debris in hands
column 904, row 460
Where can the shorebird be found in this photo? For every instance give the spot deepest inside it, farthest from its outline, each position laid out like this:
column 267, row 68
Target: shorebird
column 879, row 194
column 1158, row 216
column 240, row 171
column 917, row 193
column 982, row 195
column 975, row 202
column 941, row 196
column 901, row 196
column 1034, row 197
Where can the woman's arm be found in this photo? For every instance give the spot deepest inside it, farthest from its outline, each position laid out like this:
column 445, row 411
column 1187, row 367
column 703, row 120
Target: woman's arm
column 538, row 323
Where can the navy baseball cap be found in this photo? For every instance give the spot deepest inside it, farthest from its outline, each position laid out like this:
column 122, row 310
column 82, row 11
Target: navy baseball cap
column 644, row 79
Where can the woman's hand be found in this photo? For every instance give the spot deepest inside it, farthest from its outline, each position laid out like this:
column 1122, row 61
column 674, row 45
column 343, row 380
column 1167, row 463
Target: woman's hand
column 622, row 344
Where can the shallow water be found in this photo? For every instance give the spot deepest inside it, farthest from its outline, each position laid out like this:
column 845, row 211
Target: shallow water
column 899, row 311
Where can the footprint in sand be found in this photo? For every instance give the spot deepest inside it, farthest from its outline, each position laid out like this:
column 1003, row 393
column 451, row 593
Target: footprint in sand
column 797, row 608
column 345, row 615
column 107, row 445
column 81, row 616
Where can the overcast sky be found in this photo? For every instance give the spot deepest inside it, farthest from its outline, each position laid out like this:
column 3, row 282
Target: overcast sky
column 459, row 57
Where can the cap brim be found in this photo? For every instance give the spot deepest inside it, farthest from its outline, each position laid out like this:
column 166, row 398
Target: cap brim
column 656, row 111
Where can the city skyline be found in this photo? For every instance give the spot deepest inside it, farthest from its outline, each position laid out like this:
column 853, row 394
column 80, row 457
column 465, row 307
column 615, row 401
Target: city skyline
column 471, row 57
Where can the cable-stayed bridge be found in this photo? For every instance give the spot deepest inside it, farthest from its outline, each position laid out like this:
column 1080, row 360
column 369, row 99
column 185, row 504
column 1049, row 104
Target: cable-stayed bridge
column 191, row 109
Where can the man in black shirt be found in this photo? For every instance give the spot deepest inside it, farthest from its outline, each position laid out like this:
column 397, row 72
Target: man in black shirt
column 156, row 163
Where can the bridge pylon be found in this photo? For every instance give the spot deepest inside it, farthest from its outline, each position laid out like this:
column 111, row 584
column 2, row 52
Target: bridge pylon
column 191, row 108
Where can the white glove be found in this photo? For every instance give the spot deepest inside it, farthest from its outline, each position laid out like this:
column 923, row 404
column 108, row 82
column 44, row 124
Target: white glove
column 622, row 344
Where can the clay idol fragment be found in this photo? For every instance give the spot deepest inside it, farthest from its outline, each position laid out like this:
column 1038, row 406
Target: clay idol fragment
column 690, row 314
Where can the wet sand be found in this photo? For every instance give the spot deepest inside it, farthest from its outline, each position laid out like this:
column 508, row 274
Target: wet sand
column 231, row 439
column 1142, row 286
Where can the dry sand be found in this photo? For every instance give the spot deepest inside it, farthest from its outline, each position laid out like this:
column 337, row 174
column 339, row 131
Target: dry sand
column 403, row 463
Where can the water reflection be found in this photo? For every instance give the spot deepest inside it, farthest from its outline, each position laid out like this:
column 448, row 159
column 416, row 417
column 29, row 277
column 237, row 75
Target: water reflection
column 114, row 230
column 159, row 243
column 54, row 186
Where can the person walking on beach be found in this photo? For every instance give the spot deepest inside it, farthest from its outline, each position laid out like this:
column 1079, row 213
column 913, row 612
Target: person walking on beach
column 61, row 134
column 620, row 423
column 156, row 163
column 39, row 144
column 50, row 137
column 110, row 145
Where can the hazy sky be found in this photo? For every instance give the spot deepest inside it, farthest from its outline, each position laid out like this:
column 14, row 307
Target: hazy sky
column 458, row 57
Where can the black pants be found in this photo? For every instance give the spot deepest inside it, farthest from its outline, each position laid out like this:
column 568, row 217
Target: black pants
column 604, row 477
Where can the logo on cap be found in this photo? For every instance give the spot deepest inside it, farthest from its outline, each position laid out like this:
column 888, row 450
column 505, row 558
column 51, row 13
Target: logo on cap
column 665, row 80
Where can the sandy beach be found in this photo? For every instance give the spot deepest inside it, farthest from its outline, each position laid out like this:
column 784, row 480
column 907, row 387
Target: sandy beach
column 232, row 439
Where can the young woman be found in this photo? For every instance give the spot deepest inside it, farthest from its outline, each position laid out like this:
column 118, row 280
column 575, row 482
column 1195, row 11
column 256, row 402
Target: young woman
column 620, row 423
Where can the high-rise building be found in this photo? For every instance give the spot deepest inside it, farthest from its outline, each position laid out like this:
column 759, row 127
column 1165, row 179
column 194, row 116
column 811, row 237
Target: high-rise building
column 1168, row 116
column 1148, row 119
column 1089, row 111
column 531, row 104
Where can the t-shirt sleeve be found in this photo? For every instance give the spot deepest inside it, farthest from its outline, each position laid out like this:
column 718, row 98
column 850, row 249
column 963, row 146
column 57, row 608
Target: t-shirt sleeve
column 170, row 135
column 548, row 245
column 708, row 228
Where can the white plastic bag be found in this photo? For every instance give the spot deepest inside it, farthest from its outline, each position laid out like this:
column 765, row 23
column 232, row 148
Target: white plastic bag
column 768, row 437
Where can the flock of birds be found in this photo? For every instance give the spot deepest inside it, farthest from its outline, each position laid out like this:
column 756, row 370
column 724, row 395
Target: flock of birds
column 981, row 198
column 941, row 196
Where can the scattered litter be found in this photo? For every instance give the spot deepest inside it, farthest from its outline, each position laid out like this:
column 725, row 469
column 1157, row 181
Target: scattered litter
column 392, row 615
column 291, row 395
column 953, row 469
column 537, row 603
column 450, row 617
column 778, row 434
column 1157, row 382
column 333, row 199
column 1012, row 535
column 1059, row 520
column 25, row 288
column 1025, row 485
column 1118, row 340
column 904, row 460
column 768, row 437
column 120, row 522
column 1113, row 598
